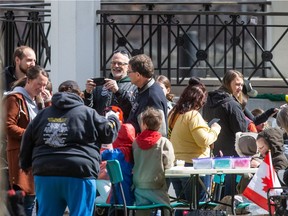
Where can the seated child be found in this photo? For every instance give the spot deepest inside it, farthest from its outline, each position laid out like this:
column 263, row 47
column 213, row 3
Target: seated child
column 268, row 139
column 122, row 151
column 272, row 139
column 152, row 155
column 103, row 183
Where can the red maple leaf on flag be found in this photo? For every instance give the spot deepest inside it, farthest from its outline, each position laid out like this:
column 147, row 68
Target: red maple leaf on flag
column 267, row 183
column 264, row 179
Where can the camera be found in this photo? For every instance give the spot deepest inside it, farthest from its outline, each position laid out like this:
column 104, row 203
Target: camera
column 99, row 81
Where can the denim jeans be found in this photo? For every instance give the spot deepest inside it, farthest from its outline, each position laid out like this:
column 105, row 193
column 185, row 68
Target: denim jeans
column 29, row 203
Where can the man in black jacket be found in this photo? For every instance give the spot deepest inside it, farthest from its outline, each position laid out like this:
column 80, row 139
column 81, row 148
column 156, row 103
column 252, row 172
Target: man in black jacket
column 150, row 94
column 116, row 91
column 24, row 58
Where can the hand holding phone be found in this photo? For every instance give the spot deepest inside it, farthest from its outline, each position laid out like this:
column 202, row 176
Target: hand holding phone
column 213, row 121
column 99, row 81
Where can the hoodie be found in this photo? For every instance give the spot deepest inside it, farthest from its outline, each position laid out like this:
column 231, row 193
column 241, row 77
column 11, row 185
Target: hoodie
column 31, row 104
column 152, row 155
column 122, row 151
column 274, row 138
column 8, row 78
column 220, row 104
column 64, row 139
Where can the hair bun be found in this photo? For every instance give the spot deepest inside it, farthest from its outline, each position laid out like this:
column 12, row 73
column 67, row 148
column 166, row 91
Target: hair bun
column 194, row 81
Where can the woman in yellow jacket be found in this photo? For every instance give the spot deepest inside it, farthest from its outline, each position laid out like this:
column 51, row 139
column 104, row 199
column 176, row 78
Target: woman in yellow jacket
column 189, row 132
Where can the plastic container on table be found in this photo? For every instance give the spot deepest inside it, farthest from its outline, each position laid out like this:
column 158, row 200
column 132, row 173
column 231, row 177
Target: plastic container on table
column 202, row 163
column 241, row 162
column 223, row 163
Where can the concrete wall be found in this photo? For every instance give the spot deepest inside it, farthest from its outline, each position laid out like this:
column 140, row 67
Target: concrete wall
column 281, row 50
column 75, row 41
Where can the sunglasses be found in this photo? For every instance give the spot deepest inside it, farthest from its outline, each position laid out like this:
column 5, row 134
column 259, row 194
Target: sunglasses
column 123, row 52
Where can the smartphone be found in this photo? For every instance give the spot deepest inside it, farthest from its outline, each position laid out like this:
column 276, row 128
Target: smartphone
column 99, row 81
column 213, row 121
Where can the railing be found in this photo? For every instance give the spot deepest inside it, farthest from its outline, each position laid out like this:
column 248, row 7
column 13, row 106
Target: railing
column 200, row 39
column 184, row 39
column 24, row 23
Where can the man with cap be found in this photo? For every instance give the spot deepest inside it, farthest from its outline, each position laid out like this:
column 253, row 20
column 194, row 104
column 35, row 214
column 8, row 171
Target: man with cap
column 62, row 146
column 249, row 91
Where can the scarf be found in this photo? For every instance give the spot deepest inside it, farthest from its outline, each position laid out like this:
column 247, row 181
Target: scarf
column 147, row 139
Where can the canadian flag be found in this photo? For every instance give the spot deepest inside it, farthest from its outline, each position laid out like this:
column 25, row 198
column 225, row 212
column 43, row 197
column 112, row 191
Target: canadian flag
column 264, row 178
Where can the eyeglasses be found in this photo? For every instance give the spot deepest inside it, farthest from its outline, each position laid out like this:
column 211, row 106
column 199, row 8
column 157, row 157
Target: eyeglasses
column 123, row 52
column 119, row 63
column 128, row 72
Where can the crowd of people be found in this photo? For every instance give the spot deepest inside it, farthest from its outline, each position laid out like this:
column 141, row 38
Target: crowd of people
column 56, row 144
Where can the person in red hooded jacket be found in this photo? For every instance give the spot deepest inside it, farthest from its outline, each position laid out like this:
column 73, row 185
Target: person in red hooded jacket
column 122, row 151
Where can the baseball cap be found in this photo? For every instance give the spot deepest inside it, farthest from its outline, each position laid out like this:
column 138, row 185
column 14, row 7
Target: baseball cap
column 248, row 89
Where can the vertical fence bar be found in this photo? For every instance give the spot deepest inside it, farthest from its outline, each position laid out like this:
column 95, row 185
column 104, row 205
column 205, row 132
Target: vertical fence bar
column 169, row 22
column 159, row 42
column 9, row 38
column 234, row 36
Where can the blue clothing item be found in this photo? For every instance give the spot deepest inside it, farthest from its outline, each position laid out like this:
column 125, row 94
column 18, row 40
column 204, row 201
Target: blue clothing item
column 54, row 193
column 228, row 186
column 180, row 186
column 29, row 203
column 126, row 168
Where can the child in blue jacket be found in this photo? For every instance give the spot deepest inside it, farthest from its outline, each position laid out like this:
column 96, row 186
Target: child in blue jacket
column 122, row 151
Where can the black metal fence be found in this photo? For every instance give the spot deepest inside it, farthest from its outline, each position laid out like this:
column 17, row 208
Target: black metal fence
column 25, row 24
column 183, row 39
column 193, row 39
